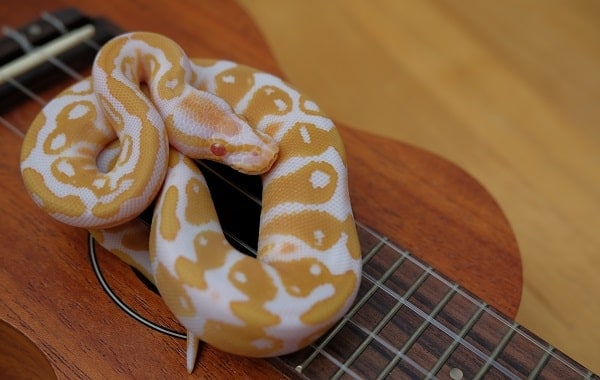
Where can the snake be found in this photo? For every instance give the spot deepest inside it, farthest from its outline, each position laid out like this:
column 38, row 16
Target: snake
column 106, row 148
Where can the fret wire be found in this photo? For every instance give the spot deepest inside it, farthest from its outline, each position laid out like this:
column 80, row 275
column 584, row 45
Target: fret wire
column 357, row 305
column 383, row 241
column 334, row 361
column 424, row 315
column 466, row 328
column 541, row 363
column 498, row 317
column 447, row 331
column 427, row 268
column 497, row 350
column 434, row 273
column 413, row 338
column 390, row 348
column 382, row 323
column 536, row 342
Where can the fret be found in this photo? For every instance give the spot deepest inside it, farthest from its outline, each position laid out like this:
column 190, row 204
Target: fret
column 374, row 317
column 494, row 355
column 382, row 323
column 477, row 346
column 528, row 356
column 432, row 293
column 389, row 330
column 380, row 353
column 362, row 300
column 456, row 321
column 471, row 363
column 516, row 353
column 522, row 354
column 541, row 364
column 369, row 240
column 423, row 353
column 559, row 366
column 413, row 338
column 443, row 359
column 488, row 333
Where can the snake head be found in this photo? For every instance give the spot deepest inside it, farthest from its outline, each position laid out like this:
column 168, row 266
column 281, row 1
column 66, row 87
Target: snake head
column 204, row 126
column 249, row 152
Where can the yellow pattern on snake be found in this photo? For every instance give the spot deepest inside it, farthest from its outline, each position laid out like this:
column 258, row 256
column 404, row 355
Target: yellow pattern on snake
column 148, row 95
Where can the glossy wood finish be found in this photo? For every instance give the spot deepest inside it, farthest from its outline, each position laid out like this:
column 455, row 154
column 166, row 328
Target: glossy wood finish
column 507, row 90
column 418, row 199
column 20, row 357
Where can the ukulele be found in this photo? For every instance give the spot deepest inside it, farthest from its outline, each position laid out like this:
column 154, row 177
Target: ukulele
column 70, row 309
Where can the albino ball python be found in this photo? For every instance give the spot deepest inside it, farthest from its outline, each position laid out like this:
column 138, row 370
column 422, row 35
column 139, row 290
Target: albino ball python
column 147, row 94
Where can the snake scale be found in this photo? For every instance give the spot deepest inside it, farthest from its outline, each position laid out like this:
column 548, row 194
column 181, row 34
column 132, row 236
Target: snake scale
column 108, row 146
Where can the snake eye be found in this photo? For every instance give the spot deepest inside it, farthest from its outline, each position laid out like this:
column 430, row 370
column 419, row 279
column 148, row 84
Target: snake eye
column 218, row 149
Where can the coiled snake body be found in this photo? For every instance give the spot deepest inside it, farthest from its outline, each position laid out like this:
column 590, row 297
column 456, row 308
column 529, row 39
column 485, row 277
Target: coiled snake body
column 148, row 95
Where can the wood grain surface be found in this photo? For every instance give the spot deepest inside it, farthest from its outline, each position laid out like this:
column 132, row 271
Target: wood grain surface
column 418, row 199
column 507, row 90
column 425, row 203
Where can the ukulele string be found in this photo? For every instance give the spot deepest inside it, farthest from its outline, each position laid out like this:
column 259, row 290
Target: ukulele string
column 490, row 361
